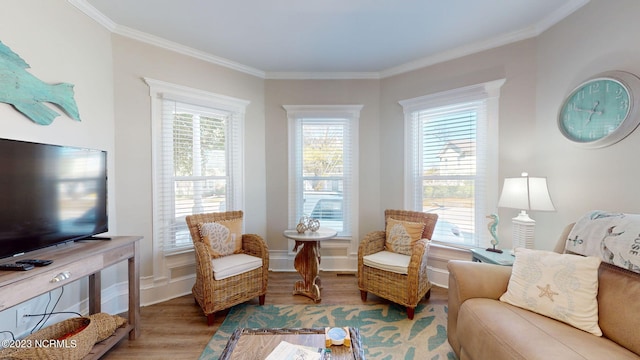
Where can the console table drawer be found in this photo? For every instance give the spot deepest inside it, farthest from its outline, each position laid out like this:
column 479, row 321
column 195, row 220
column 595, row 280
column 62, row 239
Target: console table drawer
column 52, row 279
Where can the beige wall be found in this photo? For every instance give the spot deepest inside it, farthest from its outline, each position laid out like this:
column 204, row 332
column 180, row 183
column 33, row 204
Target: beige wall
column 320, row 92
column 515, row 63
column 134, row 61
column 599, row 37
column 538, row 73
column 63, row 45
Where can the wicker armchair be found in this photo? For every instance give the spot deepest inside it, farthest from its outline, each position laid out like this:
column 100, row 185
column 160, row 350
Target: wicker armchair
column 214, row 295
column 404, row 289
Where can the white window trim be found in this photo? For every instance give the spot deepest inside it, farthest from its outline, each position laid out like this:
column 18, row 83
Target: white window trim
column 489, row 91
column 350, row 112
column 157, row 91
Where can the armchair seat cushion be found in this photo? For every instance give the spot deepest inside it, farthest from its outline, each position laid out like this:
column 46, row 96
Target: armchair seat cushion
column 231, row 265
column 388, row 261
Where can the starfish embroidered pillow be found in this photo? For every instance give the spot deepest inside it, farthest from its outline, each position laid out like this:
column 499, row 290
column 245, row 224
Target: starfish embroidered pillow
column 561, row 286
column 402, row 235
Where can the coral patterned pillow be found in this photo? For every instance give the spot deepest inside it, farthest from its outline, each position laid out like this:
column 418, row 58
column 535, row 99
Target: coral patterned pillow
column 402, row 235
column 561, row 286
column 223, row 237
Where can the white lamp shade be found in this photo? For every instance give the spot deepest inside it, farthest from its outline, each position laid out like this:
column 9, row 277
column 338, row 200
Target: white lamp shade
column 526, row 193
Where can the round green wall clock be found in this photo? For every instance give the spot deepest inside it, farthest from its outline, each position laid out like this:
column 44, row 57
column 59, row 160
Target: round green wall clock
column 602, row 110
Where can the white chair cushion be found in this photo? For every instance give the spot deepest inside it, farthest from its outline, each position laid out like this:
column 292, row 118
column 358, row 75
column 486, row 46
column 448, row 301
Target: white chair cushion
column 231, row 265
column 388, row 261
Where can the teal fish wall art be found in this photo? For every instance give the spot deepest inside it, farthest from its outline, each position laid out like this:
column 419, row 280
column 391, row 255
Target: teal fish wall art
column 26, row 93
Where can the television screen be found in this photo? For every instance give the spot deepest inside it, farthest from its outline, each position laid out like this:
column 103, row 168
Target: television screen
column 50, row 194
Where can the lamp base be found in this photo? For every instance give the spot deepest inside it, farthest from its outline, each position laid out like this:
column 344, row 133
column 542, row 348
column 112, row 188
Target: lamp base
column 523, row 231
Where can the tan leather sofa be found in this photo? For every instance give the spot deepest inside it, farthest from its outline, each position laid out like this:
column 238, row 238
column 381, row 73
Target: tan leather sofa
column 482, row 327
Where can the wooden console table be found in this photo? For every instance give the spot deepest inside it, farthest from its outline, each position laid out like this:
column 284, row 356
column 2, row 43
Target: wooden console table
column 73, row 261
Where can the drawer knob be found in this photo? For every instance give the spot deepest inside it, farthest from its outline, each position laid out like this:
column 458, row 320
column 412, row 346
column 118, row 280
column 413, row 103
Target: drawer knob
column 62, row 276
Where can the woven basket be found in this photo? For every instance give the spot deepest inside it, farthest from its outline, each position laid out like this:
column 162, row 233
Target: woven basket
column 46, row 344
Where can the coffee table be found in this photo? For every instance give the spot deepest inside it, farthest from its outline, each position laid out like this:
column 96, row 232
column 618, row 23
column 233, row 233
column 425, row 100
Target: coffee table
column 248, row 343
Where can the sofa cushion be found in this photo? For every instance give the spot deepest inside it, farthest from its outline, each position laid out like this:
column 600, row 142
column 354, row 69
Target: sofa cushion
column 491, row 329
column 561, row 286
column 618, row 306
column 231, row 265
column 402, row 235
column 388, row 261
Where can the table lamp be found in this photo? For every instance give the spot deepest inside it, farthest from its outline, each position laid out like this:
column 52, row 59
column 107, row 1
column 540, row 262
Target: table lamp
column 525, row 193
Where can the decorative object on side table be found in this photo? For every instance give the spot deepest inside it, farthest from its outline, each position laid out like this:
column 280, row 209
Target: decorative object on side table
column 602, row 110
column 301, row 227
column 525, row 193
column 313, row 224
column 492, row 226
column 307, row 223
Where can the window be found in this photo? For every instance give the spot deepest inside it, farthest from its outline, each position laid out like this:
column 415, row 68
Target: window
column 197, row 158
column 451, row 160
column 322, row 165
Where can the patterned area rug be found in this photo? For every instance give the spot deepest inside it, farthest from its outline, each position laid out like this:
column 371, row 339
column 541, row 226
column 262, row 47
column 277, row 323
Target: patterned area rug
column 385, row 331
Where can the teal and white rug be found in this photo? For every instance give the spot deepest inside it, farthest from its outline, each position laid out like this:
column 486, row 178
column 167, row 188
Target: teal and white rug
column 385, row 331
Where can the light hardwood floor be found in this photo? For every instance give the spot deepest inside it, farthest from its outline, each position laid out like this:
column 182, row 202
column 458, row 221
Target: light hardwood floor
column 177, row 329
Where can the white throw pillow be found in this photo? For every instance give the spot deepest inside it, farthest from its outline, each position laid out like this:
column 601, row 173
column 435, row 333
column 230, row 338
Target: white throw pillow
column 561, row 286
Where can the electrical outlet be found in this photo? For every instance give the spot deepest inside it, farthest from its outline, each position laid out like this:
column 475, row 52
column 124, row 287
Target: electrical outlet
column 21, row 319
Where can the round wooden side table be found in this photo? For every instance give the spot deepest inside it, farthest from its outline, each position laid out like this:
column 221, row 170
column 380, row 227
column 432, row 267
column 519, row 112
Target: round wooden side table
column 307, row 261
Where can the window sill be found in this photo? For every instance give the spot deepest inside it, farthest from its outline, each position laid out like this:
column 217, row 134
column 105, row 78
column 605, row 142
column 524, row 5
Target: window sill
column 178, row 251
column 446, row 252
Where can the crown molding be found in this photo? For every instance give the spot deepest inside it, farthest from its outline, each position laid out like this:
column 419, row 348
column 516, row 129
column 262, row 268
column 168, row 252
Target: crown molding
column 322, row 75
column 103, row 20
column 460, row 52
column 558, row 15
column 491, row 43
column 93, row 13
column 448, row 55
column 185, row 50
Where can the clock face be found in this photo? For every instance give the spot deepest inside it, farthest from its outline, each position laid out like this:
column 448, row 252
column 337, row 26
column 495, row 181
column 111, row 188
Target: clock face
column 595, row 110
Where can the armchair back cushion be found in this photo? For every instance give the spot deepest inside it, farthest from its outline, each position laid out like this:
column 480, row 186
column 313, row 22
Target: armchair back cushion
column 224, row 237
column 401, row 236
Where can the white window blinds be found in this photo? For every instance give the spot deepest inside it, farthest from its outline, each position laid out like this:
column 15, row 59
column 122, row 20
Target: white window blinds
column 198, row 163
column 322, row 164
column 448, row 162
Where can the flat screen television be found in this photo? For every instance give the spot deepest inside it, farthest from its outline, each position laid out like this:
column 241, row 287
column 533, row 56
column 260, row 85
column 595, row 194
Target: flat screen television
column 49, row 195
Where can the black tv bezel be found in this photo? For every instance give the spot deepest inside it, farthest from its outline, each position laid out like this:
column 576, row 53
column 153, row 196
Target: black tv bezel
column 63, row 240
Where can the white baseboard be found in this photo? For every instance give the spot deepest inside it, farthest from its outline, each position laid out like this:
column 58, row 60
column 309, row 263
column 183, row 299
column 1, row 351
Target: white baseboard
column 438, row 277
column 439, row 256
column 282, row 261
column 154, row 291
